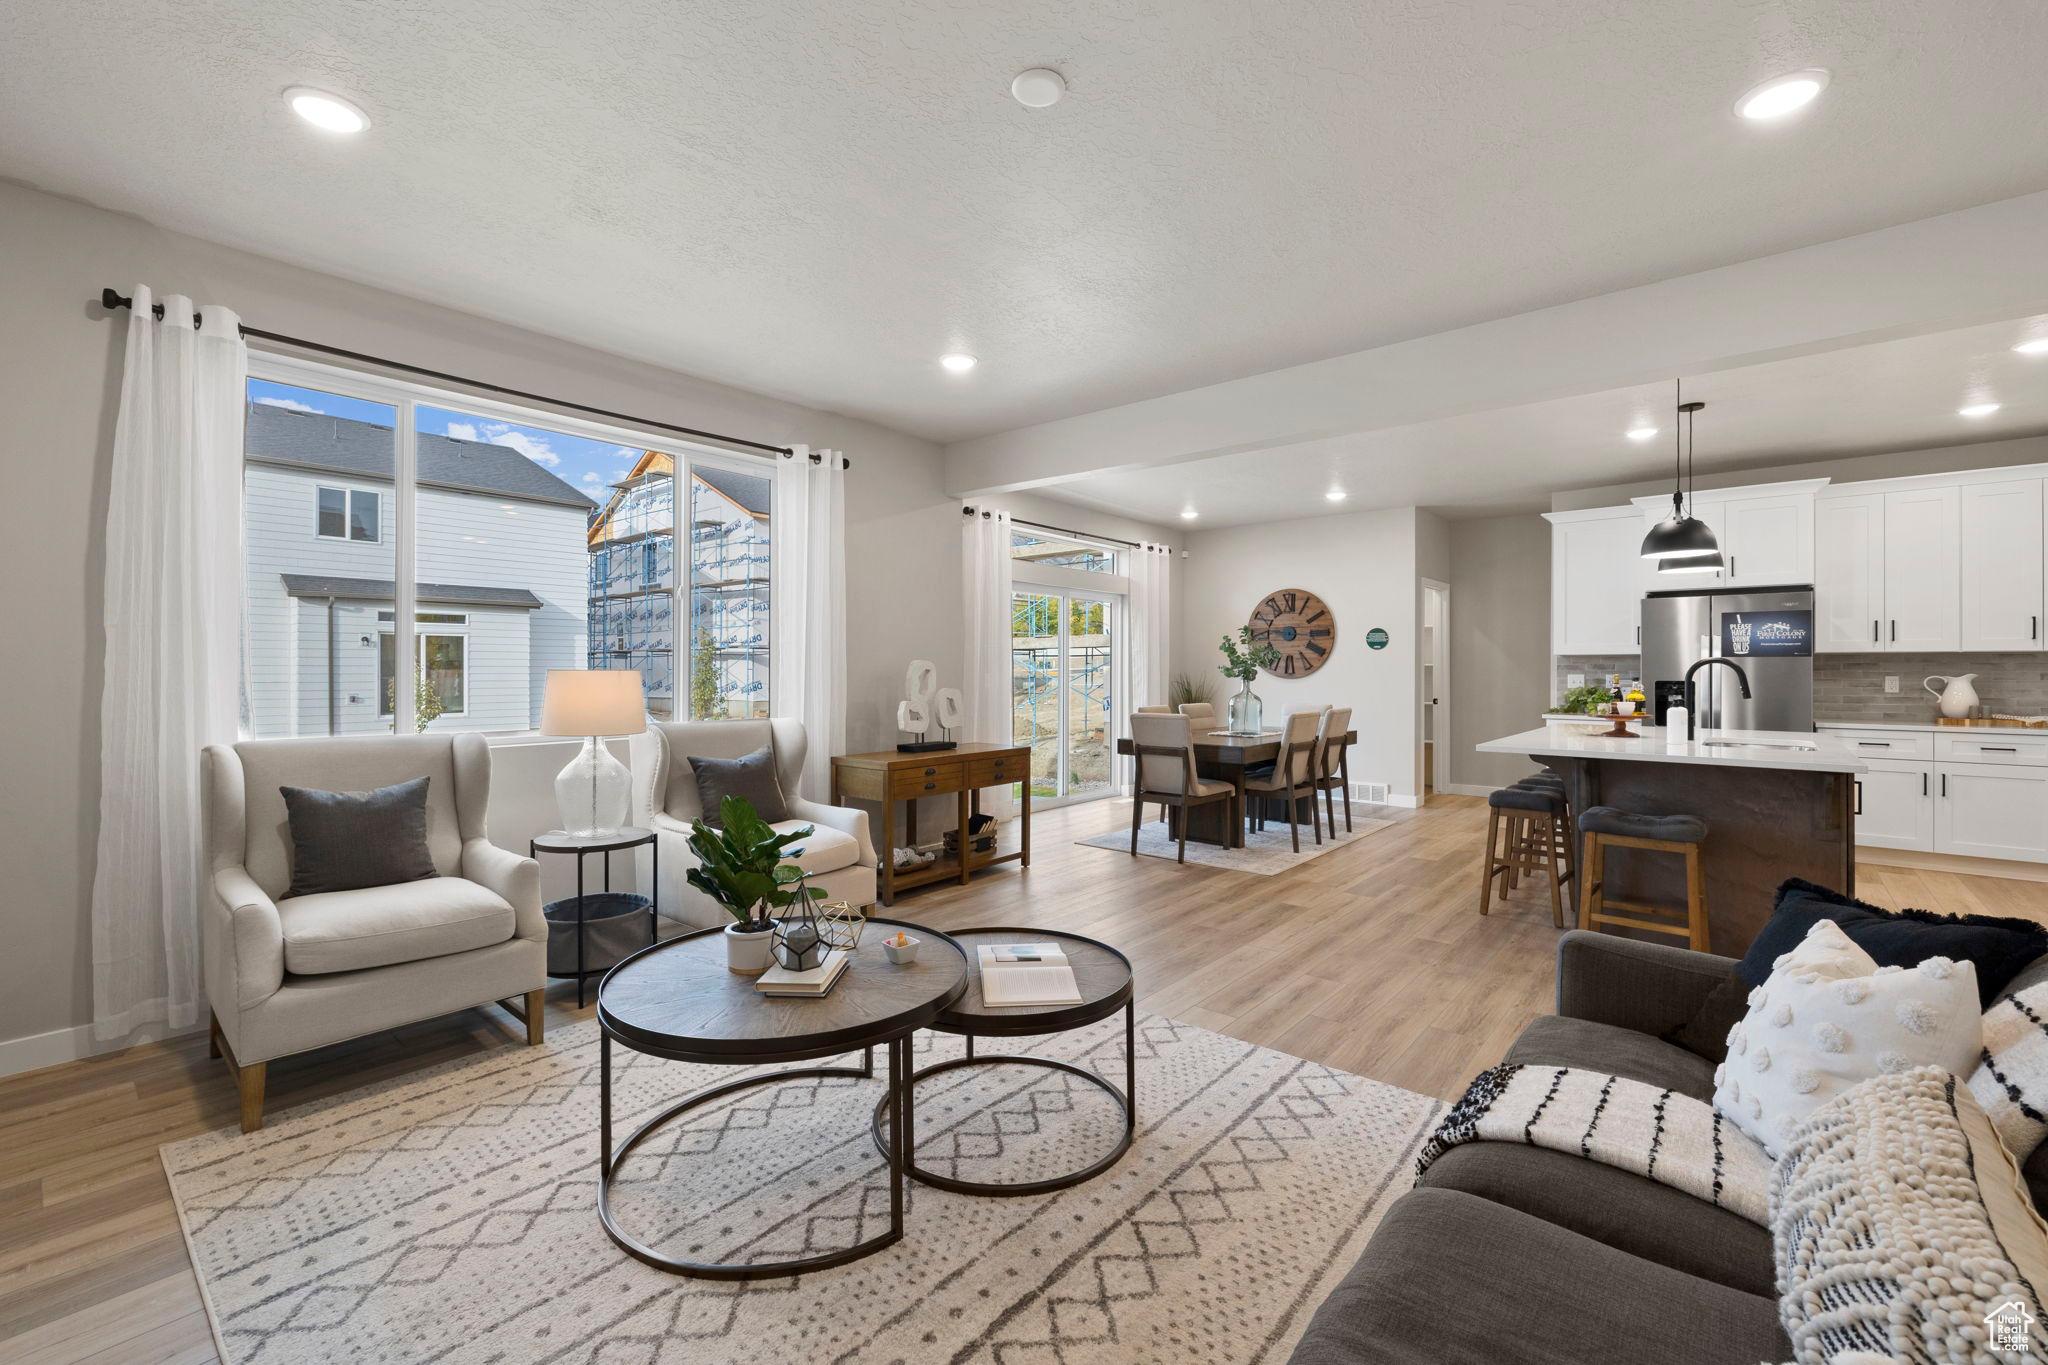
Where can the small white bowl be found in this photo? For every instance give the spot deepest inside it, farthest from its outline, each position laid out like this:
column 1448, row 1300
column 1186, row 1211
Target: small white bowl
column 904, row 954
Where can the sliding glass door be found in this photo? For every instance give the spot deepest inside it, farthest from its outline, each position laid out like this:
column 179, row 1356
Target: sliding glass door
column 1062, row 680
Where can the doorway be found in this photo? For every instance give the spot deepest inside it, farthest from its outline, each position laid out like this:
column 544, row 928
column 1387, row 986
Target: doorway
column 1433, row 659
column 1063, row 680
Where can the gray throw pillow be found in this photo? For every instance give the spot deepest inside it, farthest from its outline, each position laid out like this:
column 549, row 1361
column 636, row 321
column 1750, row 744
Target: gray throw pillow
column 342, row 841
column 752, row 778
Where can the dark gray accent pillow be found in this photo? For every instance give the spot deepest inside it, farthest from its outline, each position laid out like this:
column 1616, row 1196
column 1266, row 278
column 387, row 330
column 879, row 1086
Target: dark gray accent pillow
column 752, row 778
column 342, row 841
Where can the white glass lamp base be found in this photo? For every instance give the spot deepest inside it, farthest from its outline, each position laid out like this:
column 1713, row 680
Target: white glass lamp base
column 594, row 791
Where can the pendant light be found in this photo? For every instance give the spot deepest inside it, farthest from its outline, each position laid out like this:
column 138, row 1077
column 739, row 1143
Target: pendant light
column 1680, row 535
column 1709, row 560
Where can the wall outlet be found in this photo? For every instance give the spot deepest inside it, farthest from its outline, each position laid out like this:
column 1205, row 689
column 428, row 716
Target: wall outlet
column 1891, row 682
column 1574, row 680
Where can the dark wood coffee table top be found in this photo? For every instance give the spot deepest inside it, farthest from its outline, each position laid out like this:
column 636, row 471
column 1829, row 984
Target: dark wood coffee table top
column 677, row 999
column 1102, row 973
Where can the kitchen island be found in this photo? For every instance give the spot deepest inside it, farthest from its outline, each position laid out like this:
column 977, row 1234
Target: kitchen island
column 1777, row 804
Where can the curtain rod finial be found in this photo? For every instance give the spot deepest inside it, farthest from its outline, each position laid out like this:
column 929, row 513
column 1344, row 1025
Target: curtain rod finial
column 111, row 299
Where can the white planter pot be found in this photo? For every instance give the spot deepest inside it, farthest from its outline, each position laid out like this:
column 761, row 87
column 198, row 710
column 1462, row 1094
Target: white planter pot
column 749, row 954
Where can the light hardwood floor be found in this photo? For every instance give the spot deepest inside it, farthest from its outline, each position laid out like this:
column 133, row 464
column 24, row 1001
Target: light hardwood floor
column 1371, row 958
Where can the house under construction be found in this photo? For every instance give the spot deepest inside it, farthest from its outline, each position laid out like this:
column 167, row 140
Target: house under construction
column 633, row 587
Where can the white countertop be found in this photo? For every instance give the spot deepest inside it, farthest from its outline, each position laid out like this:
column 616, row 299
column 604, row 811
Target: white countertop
column 1931, row 728
column 1818, row 751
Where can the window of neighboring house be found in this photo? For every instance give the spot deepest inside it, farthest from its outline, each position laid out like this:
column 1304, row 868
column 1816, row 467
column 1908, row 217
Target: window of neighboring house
column 349, row 514
column 567, row 534
column 443, row 665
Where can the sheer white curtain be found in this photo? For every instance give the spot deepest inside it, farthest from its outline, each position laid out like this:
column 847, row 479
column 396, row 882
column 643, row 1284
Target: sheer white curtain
column 173, row 653
column 985, row 589
column 807, row 604
column 1151, row 623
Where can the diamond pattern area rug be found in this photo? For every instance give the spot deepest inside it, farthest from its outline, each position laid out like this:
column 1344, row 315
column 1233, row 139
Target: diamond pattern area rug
column 451, row 1216
column 1267, row 852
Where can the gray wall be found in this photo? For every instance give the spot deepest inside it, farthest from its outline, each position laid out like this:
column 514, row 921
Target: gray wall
column 59, row 377
column 1500, row 641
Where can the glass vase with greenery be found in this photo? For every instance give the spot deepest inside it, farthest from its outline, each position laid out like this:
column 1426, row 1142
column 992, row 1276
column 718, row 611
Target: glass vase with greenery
column 741, row 866
column 1242, row 659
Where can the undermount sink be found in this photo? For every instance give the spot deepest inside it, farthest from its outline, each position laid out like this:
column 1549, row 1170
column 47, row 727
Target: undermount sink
column 1755, row 744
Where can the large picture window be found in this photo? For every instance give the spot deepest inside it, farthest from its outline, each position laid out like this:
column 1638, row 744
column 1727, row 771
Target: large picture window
column 463, row 548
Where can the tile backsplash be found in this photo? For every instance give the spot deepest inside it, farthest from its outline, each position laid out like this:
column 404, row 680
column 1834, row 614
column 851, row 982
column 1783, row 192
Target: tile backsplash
column 1851, row 686
column 1596, row 667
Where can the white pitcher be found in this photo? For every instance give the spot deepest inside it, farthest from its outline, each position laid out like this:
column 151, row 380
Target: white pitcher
column 1957, row 697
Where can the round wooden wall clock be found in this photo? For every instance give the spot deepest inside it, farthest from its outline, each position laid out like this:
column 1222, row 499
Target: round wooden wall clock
column 1300, row 625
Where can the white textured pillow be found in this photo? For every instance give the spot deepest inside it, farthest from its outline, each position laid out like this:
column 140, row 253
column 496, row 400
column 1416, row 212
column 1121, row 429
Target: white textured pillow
column 1829, row 1017
column 2011, row 1079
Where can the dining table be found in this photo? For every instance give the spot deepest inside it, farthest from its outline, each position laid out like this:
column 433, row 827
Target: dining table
column 1225, row 757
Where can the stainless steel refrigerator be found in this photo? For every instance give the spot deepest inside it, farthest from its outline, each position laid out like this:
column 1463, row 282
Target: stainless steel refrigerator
column 1768, row 632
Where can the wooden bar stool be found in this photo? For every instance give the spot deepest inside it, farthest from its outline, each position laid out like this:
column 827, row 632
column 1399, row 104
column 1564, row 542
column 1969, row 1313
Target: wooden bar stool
column 1545, row 780
column 1522, row 836
column 1604, row 827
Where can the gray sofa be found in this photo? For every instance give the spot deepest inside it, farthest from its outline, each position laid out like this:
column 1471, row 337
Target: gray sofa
column 1505, row 1253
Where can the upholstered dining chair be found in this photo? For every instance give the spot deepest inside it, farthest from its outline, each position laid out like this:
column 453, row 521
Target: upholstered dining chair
column 1292, row 775
column 1333, row 764
column 287, row 974
column 1201, row 715
column 839, row 855
column 1155, row 710
column 1164, row 746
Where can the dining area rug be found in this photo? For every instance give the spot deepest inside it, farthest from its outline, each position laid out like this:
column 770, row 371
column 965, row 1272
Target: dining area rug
column 450, row 1216
column 1266, row 852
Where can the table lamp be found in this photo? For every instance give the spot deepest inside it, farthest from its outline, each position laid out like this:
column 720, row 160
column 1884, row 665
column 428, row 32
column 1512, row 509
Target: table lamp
column 595, row 790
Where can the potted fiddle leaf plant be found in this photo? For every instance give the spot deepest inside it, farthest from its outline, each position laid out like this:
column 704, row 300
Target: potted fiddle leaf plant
column 741, row 867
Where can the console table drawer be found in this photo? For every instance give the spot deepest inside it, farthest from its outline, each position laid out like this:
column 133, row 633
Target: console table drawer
column 994, row 772
column 927, row 779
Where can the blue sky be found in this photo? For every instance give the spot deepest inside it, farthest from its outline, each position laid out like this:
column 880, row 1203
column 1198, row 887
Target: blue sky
column 589, row 466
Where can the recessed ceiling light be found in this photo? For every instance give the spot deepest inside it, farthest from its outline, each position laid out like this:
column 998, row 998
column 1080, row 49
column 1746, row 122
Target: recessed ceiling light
column 1189, row 515
column 323, row 110
column 1334, row 495
column 1777, row 98
column 1038, row 88
column 1642, row 433
column 959, row 362
column 1978, row 410
column 2038, row 346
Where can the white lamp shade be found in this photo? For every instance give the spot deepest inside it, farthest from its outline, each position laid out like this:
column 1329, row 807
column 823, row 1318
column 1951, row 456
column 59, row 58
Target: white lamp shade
column 593, row 701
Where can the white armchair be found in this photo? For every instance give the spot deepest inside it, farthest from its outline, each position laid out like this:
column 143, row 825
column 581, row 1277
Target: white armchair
column 288, row 974
column 840, row 857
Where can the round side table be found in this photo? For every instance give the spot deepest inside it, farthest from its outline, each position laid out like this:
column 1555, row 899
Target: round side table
column 678, row 1000
column 607, row 915
column 1104, row 978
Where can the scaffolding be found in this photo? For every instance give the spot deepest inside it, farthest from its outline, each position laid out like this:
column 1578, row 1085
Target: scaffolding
column 633, row 590
column 1038, row 672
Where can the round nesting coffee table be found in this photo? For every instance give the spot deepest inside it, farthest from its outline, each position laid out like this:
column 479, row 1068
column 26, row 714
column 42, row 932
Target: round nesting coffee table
column 677, row 1000
column 1103, row 976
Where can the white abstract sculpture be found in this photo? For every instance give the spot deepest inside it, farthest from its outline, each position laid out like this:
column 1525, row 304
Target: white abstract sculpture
column 924, row 701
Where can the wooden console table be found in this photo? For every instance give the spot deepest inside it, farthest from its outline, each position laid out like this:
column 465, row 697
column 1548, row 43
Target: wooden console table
column 889, row 777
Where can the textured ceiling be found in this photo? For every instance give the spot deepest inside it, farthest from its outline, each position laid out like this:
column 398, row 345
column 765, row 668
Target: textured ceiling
column 817, row 199
column 1894, row 395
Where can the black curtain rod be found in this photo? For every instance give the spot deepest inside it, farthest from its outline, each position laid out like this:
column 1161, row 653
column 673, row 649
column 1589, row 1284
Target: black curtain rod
column 112, row 299
column 1063, row 531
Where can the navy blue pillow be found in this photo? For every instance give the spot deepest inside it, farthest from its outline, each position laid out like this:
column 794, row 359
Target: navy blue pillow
column 2000, row 949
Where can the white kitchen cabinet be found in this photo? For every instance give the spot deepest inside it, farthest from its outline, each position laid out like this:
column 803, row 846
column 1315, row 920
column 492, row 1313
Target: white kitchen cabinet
column 1990, row 810
column 1895, row 805
column 1922, row 569
column 1767, row 541
column 1848, row 573
column 2001, row 559
column 1596, row 581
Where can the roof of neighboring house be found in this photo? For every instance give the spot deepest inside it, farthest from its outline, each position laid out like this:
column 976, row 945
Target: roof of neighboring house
column 751, row 493
column 342, row 445
column 379, row 590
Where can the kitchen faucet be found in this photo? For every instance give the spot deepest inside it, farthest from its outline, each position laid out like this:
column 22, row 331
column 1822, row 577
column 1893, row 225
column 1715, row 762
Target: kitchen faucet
column 1692, row 714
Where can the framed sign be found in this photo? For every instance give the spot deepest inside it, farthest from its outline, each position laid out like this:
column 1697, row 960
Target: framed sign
column 1376, row 638
column 1766, row 634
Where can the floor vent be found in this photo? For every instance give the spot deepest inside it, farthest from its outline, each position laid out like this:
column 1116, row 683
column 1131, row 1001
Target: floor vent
column 1373, row 793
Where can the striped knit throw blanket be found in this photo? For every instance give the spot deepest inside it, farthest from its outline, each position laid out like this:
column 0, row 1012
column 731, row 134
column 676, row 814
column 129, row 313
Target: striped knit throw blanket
column 1664, row 1136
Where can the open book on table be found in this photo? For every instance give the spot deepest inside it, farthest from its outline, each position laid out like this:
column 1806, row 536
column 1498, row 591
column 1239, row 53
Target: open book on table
column 1026, row 974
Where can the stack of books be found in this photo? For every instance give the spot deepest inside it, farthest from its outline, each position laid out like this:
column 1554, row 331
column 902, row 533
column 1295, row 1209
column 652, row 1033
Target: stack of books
column 807, row 985
column 1026, row 974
